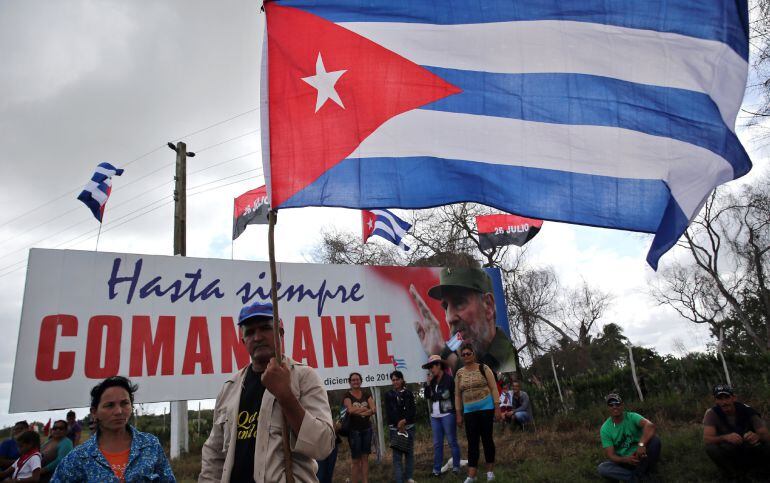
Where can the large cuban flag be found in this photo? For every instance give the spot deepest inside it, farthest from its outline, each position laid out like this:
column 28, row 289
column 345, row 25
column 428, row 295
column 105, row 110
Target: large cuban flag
column 611, row 113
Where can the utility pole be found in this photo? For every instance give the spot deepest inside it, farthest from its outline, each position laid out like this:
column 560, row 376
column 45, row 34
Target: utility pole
column 179, row 425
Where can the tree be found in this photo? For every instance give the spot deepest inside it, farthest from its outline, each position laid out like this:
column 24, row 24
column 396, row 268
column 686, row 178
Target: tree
column 728, row 246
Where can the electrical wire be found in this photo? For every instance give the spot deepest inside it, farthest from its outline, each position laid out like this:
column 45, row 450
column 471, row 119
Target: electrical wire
column 148, row 153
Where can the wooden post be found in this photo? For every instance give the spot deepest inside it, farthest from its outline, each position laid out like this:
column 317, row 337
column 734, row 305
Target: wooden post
column 633, row 373
column 380, row 425
column 722, row 355
column 179, row 425
column 558, row 386
column 272, row 220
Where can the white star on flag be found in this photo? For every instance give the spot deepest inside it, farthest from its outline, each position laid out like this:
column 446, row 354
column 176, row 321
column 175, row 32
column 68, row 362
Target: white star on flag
column 324, row 82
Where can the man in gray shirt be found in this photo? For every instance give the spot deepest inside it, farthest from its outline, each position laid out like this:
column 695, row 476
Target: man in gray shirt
column 522, row 411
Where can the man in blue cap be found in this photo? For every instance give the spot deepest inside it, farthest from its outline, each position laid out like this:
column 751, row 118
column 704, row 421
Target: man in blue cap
column 245, row 444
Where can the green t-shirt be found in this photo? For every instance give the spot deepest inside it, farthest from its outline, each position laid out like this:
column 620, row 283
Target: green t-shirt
column 624, row 436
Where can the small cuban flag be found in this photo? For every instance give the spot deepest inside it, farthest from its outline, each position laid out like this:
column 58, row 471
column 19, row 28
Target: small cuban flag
column 455, row 342
column 399, row 364
column 98, row 189
column 385, row 224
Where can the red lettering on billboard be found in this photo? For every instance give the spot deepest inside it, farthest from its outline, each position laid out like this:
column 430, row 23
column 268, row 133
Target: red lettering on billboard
column 334, row 341
column 231, row 345
column 304, row 348
column 95, row 340
column 46, row 367
column 198, row 337
column 360, row 322
column 146, row 348
column 383, row 337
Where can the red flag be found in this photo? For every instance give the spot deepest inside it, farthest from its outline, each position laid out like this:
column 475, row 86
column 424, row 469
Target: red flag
column 500, row 230
column 47, row 427
column 250, row 208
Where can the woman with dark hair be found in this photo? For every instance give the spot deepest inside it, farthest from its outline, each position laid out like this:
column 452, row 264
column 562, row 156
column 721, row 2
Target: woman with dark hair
column 401, row 411
column 440, row 394
column 55, row 449
column 476, row 394
column 360, row 407
column 117, row 451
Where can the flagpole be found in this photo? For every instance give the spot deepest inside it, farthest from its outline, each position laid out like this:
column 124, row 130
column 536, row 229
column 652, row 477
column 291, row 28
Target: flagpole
column 272, row 219
column 99, row 233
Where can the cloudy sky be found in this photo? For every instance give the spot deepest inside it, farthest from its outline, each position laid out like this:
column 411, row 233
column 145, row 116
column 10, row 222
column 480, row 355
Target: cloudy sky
column 85, row 81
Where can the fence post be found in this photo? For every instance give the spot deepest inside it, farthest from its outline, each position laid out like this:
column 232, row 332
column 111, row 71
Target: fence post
column 633, row 372
column 380, row 425
column 558, row 386
column 722, row 356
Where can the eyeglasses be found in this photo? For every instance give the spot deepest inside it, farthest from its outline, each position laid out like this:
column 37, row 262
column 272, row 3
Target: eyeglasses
column 466, row 354
column 614, row 404
column 59, row 428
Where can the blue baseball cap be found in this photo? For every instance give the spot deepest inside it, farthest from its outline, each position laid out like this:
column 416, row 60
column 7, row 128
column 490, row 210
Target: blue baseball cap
column 256, row 312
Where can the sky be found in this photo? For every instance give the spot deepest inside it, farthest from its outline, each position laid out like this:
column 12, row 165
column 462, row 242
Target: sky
column 85, row 82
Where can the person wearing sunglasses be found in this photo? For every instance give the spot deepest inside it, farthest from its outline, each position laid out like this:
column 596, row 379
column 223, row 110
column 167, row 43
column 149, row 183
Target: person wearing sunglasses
column 476, row 394
column 736, row 437
column 55, row 449
column 629, row 441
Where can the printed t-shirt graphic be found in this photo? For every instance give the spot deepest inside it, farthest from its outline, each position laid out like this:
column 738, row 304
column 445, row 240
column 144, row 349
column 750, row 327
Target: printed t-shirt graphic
column 246, row 438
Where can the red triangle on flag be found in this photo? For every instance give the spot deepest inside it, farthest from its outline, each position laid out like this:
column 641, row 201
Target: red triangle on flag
column 367, row 224
column 330, row 88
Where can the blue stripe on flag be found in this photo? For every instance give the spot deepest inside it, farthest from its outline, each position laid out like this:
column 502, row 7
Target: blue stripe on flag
column 92, row 204
column 630, row 204
column 679, row 114
column 384, row 234
column 701, row 19
column 404, row 225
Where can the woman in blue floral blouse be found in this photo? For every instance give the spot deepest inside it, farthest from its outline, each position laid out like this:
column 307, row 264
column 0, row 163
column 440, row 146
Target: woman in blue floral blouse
column 117, row 452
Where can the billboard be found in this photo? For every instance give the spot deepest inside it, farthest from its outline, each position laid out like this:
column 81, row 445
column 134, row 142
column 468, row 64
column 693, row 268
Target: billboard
column 169, row 323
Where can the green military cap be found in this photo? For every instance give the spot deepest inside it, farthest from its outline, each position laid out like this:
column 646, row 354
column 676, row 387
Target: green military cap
column 470, row 278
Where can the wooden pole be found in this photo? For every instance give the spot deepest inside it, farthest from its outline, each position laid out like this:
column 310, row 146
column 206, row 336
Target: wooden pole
column 722, row 355
column 633, row 373
column 380, row 425
column 179, row 425
column 558, row 386
column 272, row 220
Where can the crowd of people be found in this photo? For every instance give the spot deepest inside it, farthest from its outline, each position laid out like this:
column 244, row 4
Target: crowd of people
column 273, row 420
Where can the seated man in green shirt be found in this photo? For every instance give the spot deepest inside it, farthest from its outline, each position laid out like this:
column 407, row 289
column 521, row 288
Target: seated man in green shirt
column 630, row 443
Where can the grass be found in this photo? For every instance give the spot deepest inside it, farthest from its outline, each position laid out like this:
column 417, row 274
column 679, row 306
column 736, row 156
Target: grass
column 551, row 454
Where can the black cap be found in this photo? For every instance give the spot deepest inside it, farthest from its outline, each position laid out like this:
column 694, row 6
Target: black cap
column 721, row 389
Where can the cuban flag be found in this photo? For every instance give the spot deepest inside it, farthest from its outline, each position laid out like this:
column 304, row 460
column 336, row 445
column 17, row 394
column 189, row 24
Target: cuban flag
column 455, row 342
column 385, row 224
column 399, row 364
column 617, row 114
column 98, row 189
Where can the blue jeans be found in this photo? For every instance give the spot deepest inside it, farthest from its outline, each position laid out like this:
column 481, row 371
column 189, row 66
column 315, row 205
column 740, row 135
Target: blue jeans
column 622, row 472
column 441, row 427
column 403, row 472
column 522, row 417
column 326, row 466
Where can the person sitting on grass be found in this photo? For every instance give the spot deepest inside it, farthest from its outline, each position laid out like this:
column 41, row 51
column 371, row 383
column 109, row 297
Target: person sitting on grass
column 736, row 437
column 629, row 441
column 27, row 467
column 522, row 410
column 506, row 403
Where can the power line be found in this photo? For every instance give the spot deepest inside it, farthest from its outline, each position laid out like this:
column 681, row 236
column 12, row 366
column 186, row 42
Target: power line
column 222, row 162
column 205, row 148
column 148, row 153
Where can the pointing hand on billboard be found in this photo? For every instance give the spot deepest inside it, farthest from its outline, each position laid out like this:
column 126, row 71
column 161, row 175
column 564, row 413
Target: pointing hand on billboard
column 427, row 327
